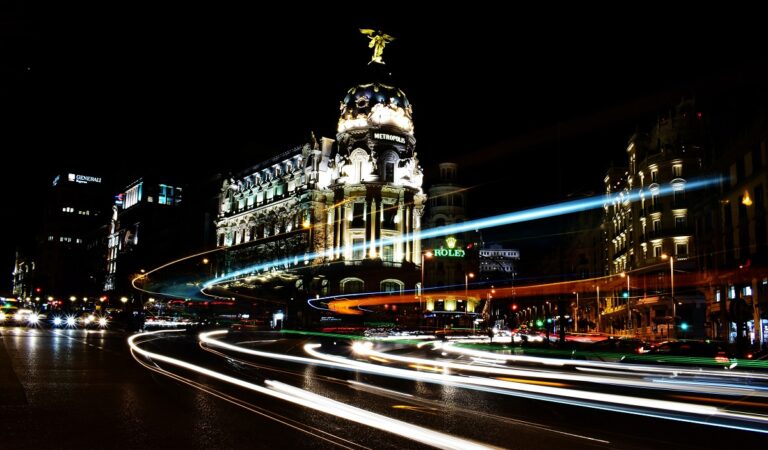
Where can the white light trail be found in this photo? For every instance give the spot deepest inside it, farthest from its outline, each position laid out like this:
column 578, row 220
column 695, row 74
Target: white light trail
column 665, row 409
column 319, row 403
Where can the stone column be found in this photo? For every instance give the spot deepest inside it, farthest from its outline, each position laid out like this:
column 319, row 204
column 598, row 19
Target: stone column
column 399, row 247
column 372, row 227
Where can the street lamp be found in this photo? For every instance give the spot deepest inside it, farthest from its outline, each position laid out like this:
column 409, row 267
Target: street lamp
column 467, row 276
column 671, row 287
column 424, row 255
column 629, row 311
column 576, row 316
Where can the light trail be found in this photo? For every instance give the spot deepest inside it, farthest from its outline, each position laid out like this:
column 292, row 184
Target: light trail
column 298, row 426
column 664, row 409
column 642, row 369
column 678, row 385
column 313, row 401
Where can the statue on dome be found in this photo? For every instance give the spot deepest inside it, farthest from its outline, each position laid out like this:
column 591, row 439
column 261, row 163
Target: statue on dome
column 378, row 41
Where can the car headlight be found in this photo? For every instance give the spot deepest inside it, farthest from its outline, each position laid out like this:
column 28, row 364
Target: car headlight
column 57, row 321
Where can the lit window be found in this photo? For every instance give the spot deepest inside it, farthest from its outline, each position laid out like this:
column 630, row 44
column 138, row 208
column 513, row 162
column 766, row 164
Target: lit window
column 680, row 222
column 388, row 253
column 357, row 248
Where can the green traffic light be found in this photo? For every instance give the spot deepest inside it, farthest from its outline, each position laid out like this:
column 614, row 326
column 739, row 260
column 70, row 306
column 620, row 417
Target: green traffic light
column 625, row 294
column 684, row 326
column 539, row 323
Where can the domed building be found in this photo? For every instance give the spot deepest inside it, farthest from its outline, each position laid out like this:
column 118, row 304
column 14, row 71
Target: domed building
column 332, row 217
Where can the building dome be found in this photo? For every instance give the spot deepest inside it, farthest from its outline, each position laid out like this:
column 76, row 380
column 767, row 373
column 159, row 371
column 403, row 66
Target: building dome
column 375, row 104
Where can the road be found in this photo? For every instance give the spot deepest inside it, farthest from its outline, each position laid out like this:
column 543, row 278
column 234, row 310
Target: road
column 77, row 389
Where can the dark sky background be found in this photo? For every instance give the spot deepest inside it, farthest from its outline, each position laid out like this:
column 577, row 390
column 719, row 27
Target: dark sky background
column 534, row 106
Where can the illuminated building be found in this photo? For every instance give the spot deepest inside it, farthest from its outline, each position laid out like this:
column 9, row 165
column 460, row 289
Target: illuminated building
column 147, row 228
column 638, row 235
column 497, row 264
column 355, row 204
column 64, row 259
column 734, row 226
column 453, row 261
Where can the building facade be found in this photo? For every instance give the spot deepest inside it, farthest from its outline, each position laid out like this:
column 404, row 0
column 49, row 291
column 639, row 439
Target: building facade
column 146, row 229
column 643, row 233
column 734, row 225
column 63, row 261
column 450, row 262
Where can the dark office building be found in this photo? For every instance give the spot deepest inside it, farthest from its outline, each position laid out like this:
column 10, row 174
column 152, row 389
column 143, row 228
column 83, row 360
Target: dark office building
column 64, row 259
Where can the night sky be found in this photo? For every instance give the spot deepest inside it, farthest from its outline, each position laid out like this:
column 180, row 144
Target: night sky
column 531, row 106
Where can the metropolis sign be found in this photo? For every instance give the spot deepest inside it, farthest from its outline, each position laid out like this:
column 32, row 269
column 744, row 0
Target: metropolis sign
column 389, row 137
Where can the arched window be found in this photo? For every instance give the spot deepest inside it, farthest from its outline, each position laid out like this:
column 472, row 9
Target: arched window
column 392, row 286
column 351, row 285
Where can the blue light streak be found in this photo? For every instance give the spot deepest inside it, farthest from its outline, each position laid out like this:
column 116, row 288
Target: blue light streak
column 542, row 212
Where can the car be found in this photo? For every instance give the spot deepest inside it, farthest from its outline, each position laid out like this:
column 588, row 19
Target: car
column 7, row 315
column 686, row 352
column 611, row 349
column 526, row 335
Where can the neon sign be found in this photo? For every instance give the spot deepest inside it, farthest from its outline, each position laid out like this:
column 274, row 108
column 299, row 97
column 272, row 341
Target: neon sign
column 451, row 251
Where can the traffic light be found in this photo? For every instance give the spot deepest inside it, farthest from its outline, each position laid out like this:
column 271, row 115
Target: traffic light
column 684, row 326
column 514, row 307
column 625, row 294
column 539, row 323
column 37, row 289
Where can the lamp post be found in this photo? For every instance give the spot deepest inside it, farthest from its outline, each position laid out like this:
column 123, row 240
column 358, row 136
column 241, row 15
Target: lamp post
column 576, row 316
column 207, row 262
column 629, row 310
column 597, row 308
column 672, row 289
column 467, row 276
column 424, row 255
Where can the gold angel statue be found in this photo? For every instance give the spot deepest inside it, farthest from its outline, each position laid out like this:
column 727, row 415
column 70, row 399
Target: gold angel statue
column 378, row 41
